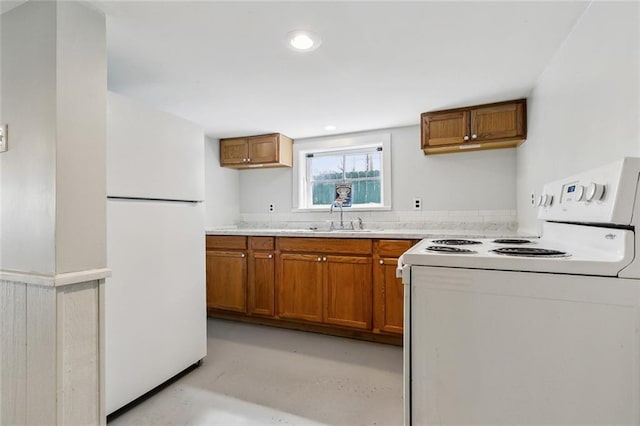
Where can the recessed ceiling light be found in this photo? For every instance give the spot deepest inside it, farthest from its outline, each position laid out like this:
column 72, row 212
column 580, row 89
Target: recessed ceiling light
column 303, row 41
column 329, row 127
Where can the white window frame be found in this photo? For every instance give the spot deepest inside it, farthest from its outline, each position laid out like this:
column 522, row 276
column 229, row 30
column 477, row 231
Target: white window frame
column 342, row 143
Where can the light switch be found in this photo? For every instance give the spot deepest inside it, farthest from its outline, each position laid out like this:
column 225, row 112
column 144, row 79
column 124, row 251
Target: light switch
column 3, row 138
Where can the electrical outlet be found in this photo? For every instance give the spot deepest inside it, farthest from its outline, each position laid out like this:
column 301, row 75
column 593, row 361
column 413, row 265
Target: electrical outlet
column 417, row 203
column 533, row 199
column 3, row 138
column 272, row 207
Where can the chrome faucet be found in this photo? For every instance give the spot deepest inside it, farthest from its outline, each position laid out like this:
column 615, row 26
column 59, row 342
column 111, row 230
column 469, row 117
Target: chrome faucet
column 339, row 203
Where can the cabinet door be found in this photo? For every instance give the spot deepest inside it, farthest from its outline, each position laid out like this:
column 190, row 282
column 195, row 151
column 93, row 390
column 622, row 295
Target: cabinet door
column 388, row 297
column 448, row 128
column 497, row 122
column 263, row 149
column 233, row 151
column 347, row 291
column 226, row 280
column 299, row 287
column 261, row 283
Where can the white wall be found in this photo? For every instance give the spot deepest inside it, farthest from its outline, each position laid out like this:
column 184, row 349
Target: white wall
column 222, row 185
column 81, row 102
column 482, row 180
column 28, row 168
column 585, row 108
column 52, row 210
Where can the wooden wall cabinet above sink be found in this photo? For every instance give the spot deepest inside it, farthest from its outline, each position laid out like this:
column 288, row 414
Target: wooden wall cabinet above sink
column 274, row 150
column 488, row 126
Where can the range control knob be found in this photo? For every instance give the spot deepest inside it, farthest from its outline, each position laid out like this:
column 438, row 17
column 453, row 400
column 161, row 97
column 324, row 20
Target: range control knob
column 579, row 193
column 545, row 200
column 595, row 192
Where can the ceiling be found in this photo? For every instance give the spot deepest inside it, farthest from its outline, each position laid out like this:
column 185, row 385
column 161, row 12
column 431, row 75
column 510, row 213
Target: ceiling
column 226, row 66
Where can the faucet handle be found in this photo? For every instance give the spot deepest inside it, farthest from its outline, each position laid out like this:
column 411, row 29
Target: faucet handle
column 360, row 224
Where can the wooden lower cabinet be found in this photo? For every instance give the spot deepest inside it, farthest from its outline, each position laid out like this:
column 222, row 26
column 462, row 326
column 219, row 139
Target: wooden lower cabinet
column 347, row 291
column 241, row 275
column 326, row 285
column 226, row 280
column 300, row 287
column 345, row 287
column 388, row 297
column 261, row 284
column 388, row 291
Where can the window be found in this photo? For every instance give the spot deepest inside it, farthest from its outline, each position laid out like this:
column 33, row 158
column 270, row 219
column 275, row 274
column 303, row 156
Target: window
column 362, row 162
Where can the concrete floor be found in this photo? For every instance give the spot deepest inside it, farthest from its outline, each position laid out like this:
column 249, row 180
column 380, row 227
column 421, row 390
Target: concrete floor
column 262, row 375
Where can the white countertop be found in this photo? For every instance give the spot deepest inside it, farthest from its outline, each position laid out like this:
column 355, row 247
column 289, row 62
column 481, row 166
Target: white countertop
column 367, row 233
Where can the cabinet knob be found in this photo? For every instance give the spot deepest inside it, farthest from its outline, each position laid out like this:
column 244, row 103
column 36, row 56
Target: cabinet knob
column 244, row 160
column 270, row 256
column 324, row 259
column 319, row 259
column 248, row 160
column 242, row 255
column 474, row 136
column 381, row 262
column 466, row 137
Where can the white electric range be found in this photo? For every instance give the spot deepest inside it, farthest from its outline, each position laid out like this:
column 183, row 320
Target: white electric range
column 532, row 331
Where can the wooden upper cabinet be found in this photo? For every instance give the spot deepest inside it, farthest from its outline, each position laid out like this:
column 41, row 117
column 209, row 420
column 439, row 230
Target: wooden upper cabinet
column 445, row 129
column 262, row 149
column 489, row 126
column 273, row 150
column 234, row 152
column 498, row 122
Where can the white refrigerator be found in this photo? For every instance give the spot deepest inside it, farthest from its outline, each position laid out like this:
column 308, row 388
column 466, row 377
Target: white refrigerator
column 155, row 301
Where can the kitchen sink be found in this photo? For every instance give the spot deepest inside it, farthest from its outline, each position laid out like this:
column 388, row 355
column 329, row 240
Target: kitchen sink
column 310, row 231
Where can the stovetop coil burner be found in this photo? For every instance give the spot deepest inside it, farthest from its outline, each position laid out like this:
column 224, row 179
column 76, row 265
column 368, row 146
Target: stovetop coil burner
column 511, row 241
column 455, row 242
column 449, row 249
column 530, row 252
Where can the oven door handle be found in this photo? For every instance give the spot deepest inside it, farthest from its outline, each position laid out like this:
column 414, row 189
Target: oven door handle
column 403, row 271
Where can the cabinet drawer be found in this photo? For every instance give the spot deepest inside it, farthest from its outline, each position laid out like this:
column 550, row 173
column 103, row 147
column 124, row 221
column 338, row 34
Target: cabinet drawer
column 325, row 245
column 391, row 248
column 226, row 242
column 261, row 243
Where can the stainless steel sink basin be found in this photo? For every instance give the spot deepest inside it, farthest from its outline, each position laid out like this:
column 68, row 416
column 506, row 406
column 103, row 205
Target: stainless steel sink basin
column 310, row 231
